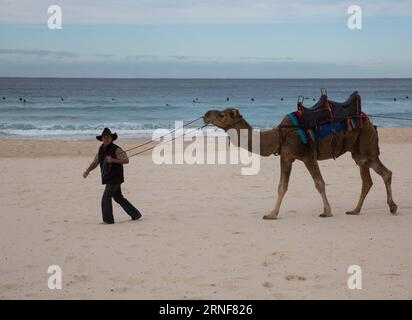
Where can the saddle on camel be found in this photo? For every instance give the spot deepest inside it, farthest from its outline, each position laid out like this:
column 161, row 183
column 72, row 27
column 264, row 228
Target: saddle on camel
column 326, row 118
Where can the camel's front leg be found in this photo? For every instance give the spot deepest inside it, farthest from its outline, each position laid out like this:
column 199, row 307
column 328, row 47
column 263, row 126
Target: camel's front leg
column 285, row 170
column 313, row 167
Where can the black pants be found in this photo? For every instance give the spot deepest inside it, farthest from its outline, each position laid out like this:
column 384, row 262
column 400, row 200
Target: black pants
column 114, row 191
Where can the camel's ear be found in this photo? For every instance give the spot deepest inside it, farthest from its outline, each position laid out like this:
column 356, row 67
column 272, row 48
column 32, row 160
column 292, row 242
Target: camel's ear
column 234, row 113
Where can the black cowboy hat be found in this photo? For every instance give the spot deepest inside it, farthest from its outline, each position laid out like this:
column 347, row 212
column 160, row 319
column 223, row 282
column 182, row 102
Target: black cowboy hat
column 107, row 131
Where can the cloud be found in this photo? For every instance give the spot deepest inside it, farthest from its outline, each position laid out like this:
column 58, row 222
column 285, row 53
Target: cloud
column 105, row 55
column 195, row 11
column 204, row 59
column 39, row 53
column 266, row 59
column 50, row 54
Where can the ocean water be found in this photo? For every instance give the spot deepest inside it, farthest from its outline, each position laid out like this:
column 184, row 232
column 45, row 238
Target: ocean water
column 77, row 109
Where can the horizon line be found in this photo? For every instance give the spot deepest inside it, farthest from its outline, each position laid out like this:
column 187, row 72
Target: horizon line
column 206, row 78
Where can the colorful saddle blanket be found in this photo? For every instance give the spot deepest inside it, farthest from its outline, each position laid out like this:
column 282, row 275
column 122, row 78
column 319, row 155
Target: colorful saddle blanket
column 323, row 130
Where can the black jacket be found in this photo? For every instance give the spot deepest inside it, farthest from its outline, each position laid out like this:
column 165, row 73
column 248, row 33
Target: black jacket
column 112, row 173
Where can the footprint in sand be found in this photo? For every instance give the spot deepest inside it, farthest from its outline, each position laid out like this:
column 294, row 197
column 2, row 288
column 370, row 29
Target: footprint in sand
column 134, row 281
column 267, row 284
column 141, row 234
column 115, row 279
column 294, row 277
column 280, row 255
column 70, row 259
column 9, row 286
column 128, row 281
column 391, row 274
column 82, row 278
column 120, row 290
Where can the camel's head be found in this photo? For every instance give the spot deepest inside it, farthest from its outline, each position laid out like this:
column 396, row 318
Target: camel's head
column 223, row 119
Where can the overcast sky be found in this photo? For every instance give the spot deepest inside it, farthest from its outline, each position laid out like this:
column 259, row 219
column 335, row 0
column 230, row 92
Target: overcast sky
column 199, row 38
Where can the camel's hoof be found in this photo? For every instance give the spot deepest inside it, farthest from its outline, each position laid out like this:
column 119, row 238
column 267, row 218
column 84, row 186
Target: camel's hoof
column 326, row 215
column 353, row 212
column 269, row 217
column 393, row 207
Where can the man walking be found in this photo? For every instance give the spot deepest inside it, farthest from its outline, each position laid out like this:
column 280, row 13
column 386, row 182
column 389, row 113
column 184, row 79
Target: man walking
column 111, row 159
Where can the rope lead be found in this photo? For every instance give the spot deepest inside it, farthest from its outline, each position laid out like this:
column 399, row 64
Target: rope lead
column 164, row 142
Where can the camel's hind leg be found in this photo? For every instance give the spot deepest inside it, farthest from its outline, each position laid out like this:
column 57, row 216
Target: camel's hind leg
column 386, row 175
column 285, row 170
column 366, row 186
column 313, row 167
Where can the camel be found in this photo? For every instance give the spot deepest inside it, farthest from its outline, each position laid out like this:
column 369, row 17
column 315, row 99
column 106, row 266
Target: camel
column 361, row 142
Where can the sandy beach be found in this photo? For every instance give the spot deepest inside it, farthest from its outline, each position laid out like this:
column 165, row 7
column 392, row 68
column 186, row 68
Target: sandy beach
column 202, row 235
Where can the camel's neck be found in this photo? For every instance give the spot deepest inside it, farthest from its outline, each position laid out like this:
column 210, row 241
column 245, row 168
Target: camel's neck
column 269, row 140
